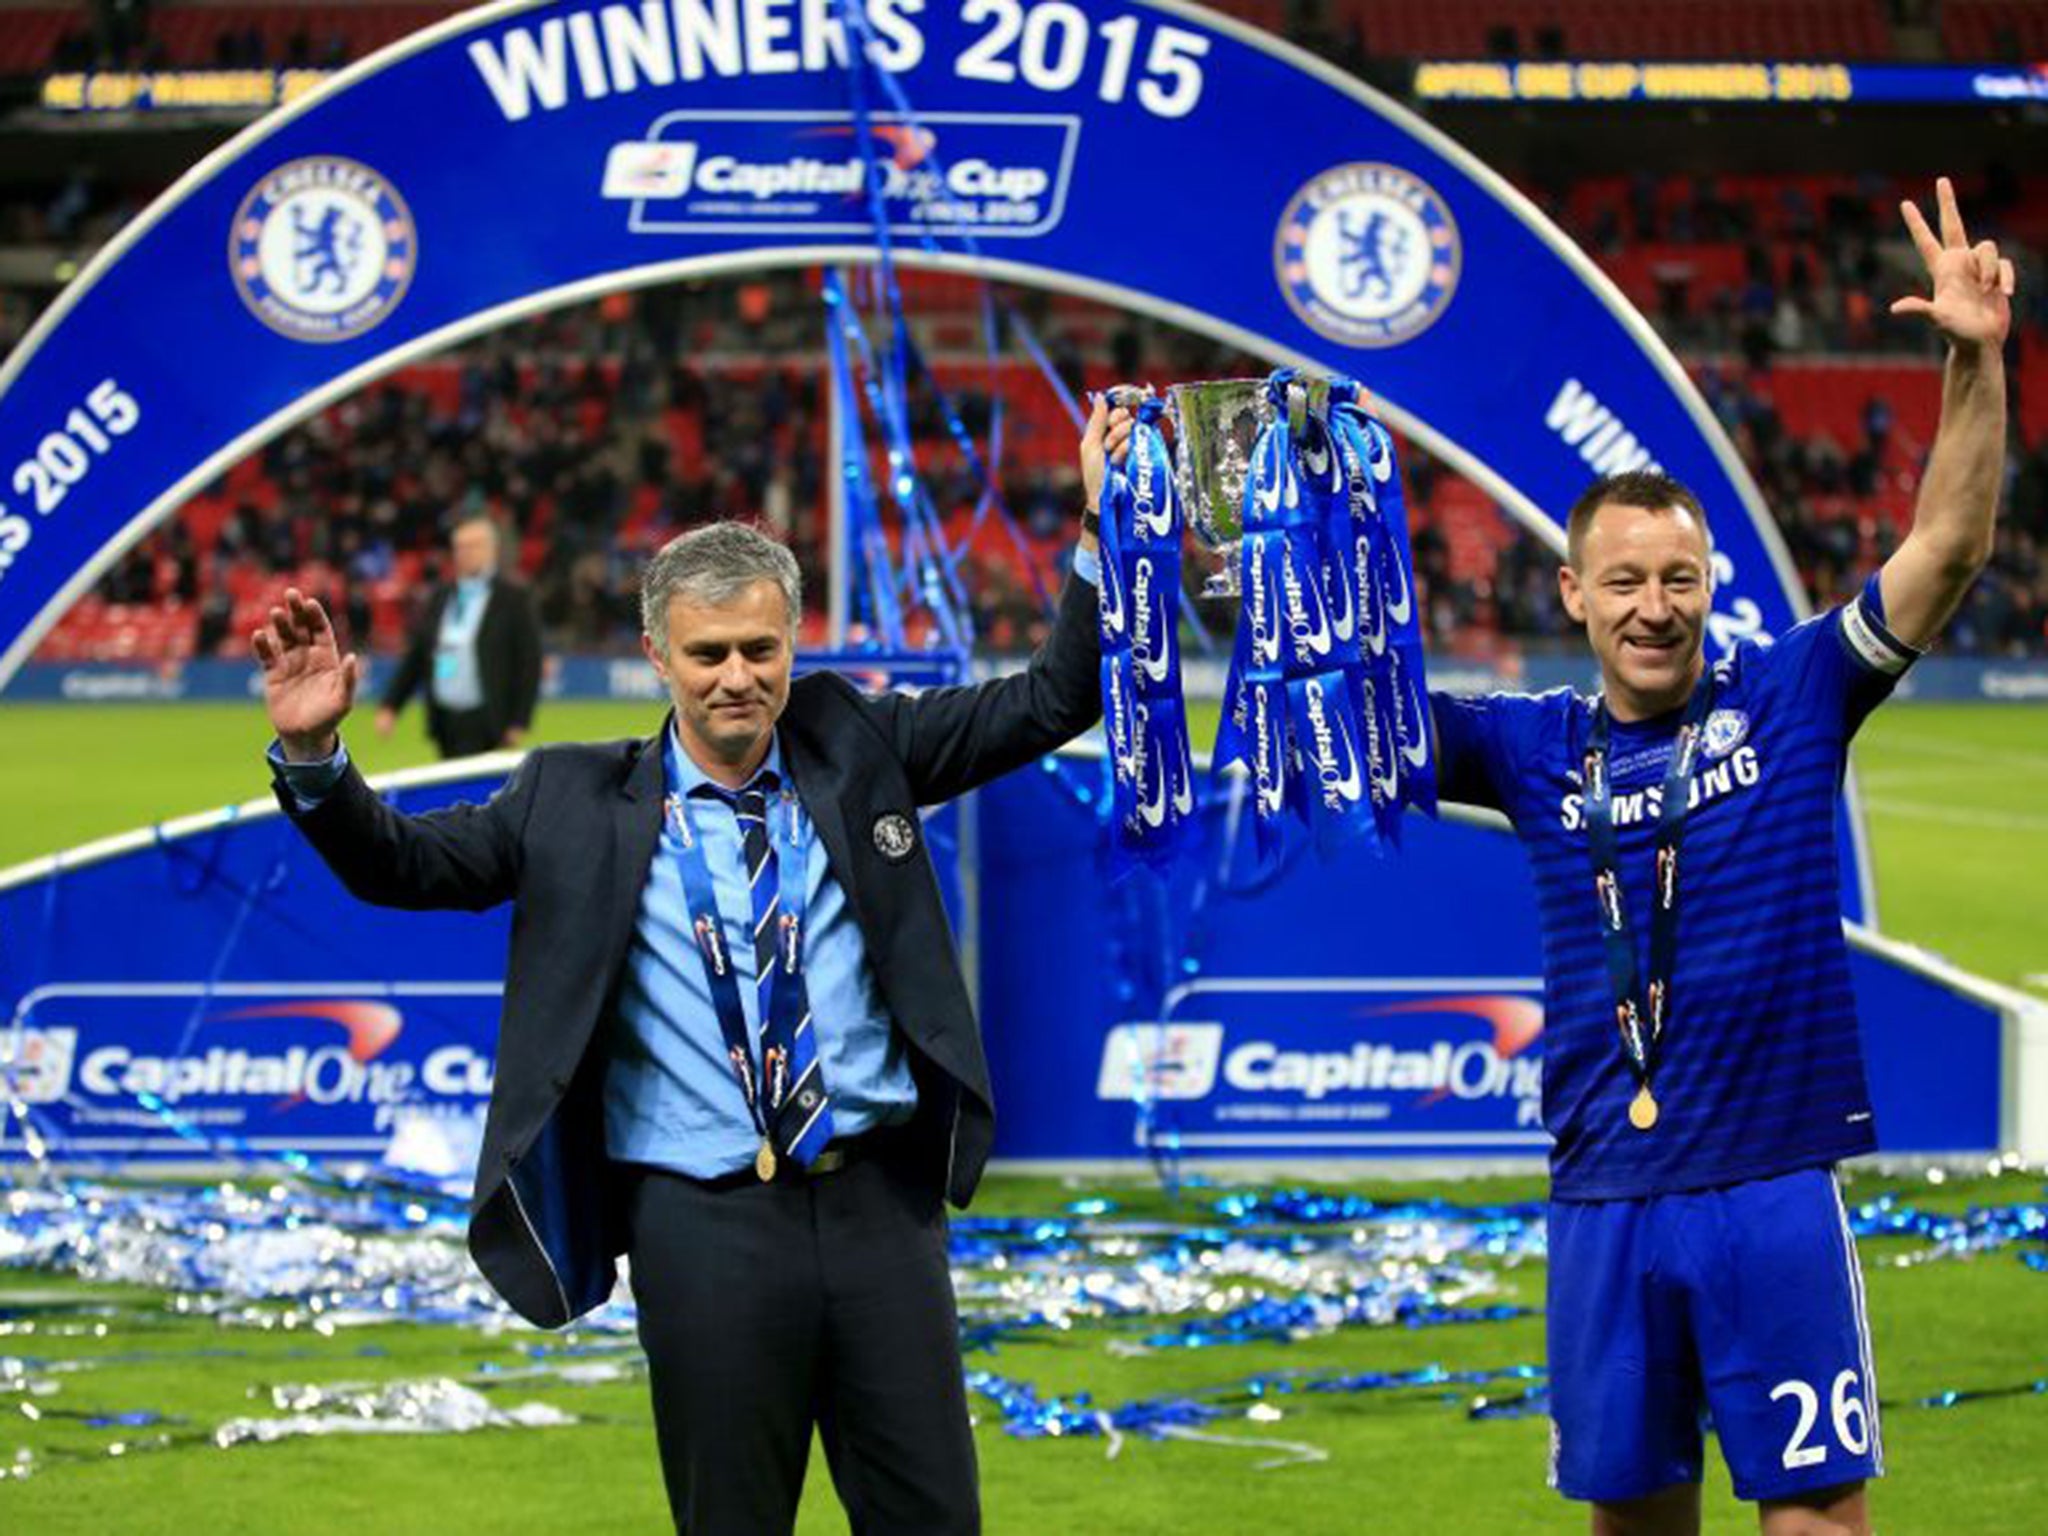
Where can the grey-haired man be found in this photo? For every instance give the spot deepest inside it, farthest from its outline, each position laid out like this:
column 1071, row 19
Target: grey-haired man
column 736, row 1042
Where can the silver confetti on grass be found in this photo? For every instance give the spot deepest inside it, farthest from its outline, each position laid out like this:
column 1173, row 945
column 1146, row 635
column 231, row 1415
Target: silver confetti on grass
column 439, row 1406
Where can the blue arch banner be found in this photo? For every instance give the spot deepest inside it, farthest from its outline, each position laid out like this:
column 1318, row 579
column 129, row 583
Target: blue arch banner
column 1155, row 155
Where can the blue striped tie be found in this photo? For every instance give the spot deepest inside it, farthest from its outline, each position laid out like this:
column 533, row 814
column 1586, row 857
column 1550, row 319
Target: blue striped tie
column 798, row 1108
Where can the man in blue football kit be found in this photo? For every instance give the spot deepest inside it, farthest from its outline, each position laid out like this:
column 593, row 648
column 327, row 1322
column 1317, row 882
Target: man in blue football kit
column 1702, row 1073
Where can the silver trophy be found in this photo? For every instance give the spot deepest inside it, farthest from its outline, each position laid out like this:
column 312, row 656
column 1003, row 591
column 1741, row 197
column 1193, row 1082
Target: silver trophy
column 1216, row 422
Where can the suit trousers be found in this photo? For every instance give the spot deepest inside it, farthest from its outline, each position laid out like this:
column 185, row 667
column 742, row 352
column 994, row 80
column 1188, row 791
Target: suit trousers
column 768, row 1310
column 465, row 732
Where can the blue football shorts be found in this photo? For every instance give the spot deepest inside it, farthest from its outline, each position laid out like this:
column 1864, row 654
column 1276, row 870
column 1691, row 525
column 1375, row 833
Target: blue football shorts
column 1743, row 1306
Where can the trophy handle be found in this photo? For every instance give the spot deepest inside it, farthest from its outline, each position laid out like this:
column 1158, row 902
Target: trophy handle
column 1306, row 397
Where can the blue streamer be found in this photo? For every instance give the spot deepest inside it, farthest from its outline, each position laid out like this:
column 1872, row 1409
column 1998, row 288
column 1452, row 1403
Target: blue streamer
column 876, row 593
column 1326, row 702
column 925, row 552
column 1139, row 607
column 1389, row 610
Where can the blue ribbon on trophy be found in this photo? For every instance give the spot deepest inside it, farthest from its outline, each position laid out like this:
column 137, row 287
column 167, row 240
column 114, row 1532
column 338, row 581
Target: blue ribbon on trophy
column 1144, row 717
column 1390, row 618
column 1326, row 703
column 1239, row 482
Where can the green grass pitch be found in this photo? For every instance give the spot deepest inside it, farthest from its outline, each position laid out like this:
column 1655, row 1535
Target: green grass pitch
column 1958, row 809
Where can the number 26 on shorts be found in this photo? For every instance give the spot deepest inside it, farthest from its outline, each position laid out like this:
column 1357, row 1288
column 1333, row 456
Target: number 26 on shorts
column 1845, row 1407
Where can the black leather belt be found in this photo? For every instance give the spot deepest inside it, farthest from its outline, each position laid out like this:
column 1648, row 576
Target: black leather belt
column 831, row 1160
column 840, row 1153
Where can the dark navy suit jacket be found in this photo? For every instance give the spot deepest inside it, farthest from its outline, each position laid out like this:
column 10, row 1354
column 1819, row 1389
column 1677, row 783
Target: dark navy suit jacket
column 569, row 839
column 508, row 659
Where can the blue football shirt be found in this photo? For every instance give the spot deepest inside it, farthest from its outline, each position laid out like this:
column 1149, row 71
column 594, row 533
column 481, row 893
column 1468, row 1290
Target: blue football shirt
column 1760, row 1070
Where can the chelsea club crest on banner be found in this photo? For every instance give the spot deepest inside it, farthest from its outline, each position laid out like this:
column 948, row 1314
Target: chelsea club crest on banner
column 322, row 249
column 1367, row 254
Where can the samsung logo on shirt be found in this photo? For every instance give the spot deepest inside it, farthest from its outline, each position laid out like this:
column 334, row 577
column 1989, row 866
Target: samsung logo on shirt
column 1741, row 770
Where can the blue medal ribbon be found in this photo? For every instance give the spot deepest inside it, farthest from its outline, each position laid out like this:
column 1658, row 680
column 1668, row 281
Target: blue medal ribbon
column 763, row 1077
column 1640, row 1015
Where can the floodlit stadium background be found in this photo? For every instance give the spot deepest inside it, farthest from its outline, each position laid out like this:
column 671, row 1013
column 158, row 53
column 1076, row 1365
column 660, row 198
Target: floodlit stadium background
column 1735, row 167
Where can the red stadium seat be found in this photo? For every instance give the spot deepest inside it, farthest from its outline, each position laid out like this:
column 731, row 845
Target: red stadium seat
column 29, row 36
column 1981, row 31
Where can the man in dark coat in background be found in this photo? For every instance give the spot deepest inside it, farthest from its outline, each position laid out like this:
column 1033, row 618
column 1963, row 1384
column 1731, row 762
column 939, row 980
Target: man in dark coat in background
column 476, row 647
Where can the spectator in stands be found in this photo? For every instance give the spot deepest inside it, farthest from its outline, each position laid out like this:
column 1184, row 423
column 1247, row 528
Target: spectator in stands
column 476, row 649
column 216, row 614
column 596, row 432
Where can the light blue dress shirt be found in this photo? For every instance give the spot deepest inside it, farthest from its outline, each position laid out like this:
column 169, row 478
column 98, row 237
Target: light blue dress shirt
column 670, row 1096
column 309, row 783
column 458, row 681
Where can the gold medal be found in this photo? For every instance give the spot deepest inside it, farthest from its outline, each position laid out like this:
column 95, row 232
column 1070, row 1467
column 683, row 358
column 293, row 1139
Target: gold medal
column 764, row 1160
column 1642, row 1109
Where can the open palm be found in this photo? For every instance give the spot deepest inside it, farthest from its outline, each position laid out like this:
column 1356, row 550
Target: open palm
column 1972, row 299
column 308, row 685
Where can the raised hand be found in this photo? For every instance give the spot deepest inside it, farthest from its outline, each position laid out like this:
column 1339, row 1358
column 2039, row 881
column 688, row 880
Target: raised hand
column 308, row 685
column 1106, row 440
column 1972, row 299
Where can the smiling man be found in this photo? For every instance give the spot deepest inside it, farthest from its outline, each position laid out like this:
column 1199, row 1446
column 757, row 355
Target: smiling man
column 736, row 1043
column 1702, row 1071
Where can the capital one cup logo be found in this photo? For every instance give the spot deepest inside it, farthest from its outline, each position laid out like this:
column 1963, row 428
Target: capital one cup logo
column 1380, row 452
column 1307, row 624
column 1358, row 480
column 1266, row 746
column 1336, row 756
column 1119, row 723
column 1151, row 636
column 1319, row 461
column 1273, row 483
column 1399, row 598
column 1151, row 492
column 1372, row 616
column 1145, row 1061
column 35, row 1064
column 1380, row 762
column 1339, row 595
column 1154, row 776
column 1258, row 603
column 1111, row 598
column 1411, row 724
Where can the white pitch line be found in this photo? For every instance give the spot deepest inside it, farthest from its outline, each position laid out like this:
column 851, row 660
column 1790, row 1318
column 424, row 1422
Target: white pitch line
column 1960, row 816
column 1893, row 778
column 1967, row 752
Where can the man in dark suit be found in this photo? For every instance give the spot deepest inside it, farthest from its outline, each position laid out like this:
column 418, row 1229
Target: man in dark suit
column 476, row 647
column 663, row 1088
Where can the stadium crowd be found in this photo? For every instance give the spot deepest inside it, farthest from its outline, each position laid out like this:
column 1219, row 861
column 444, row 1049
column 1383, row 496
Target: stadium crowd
column 593, row 433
